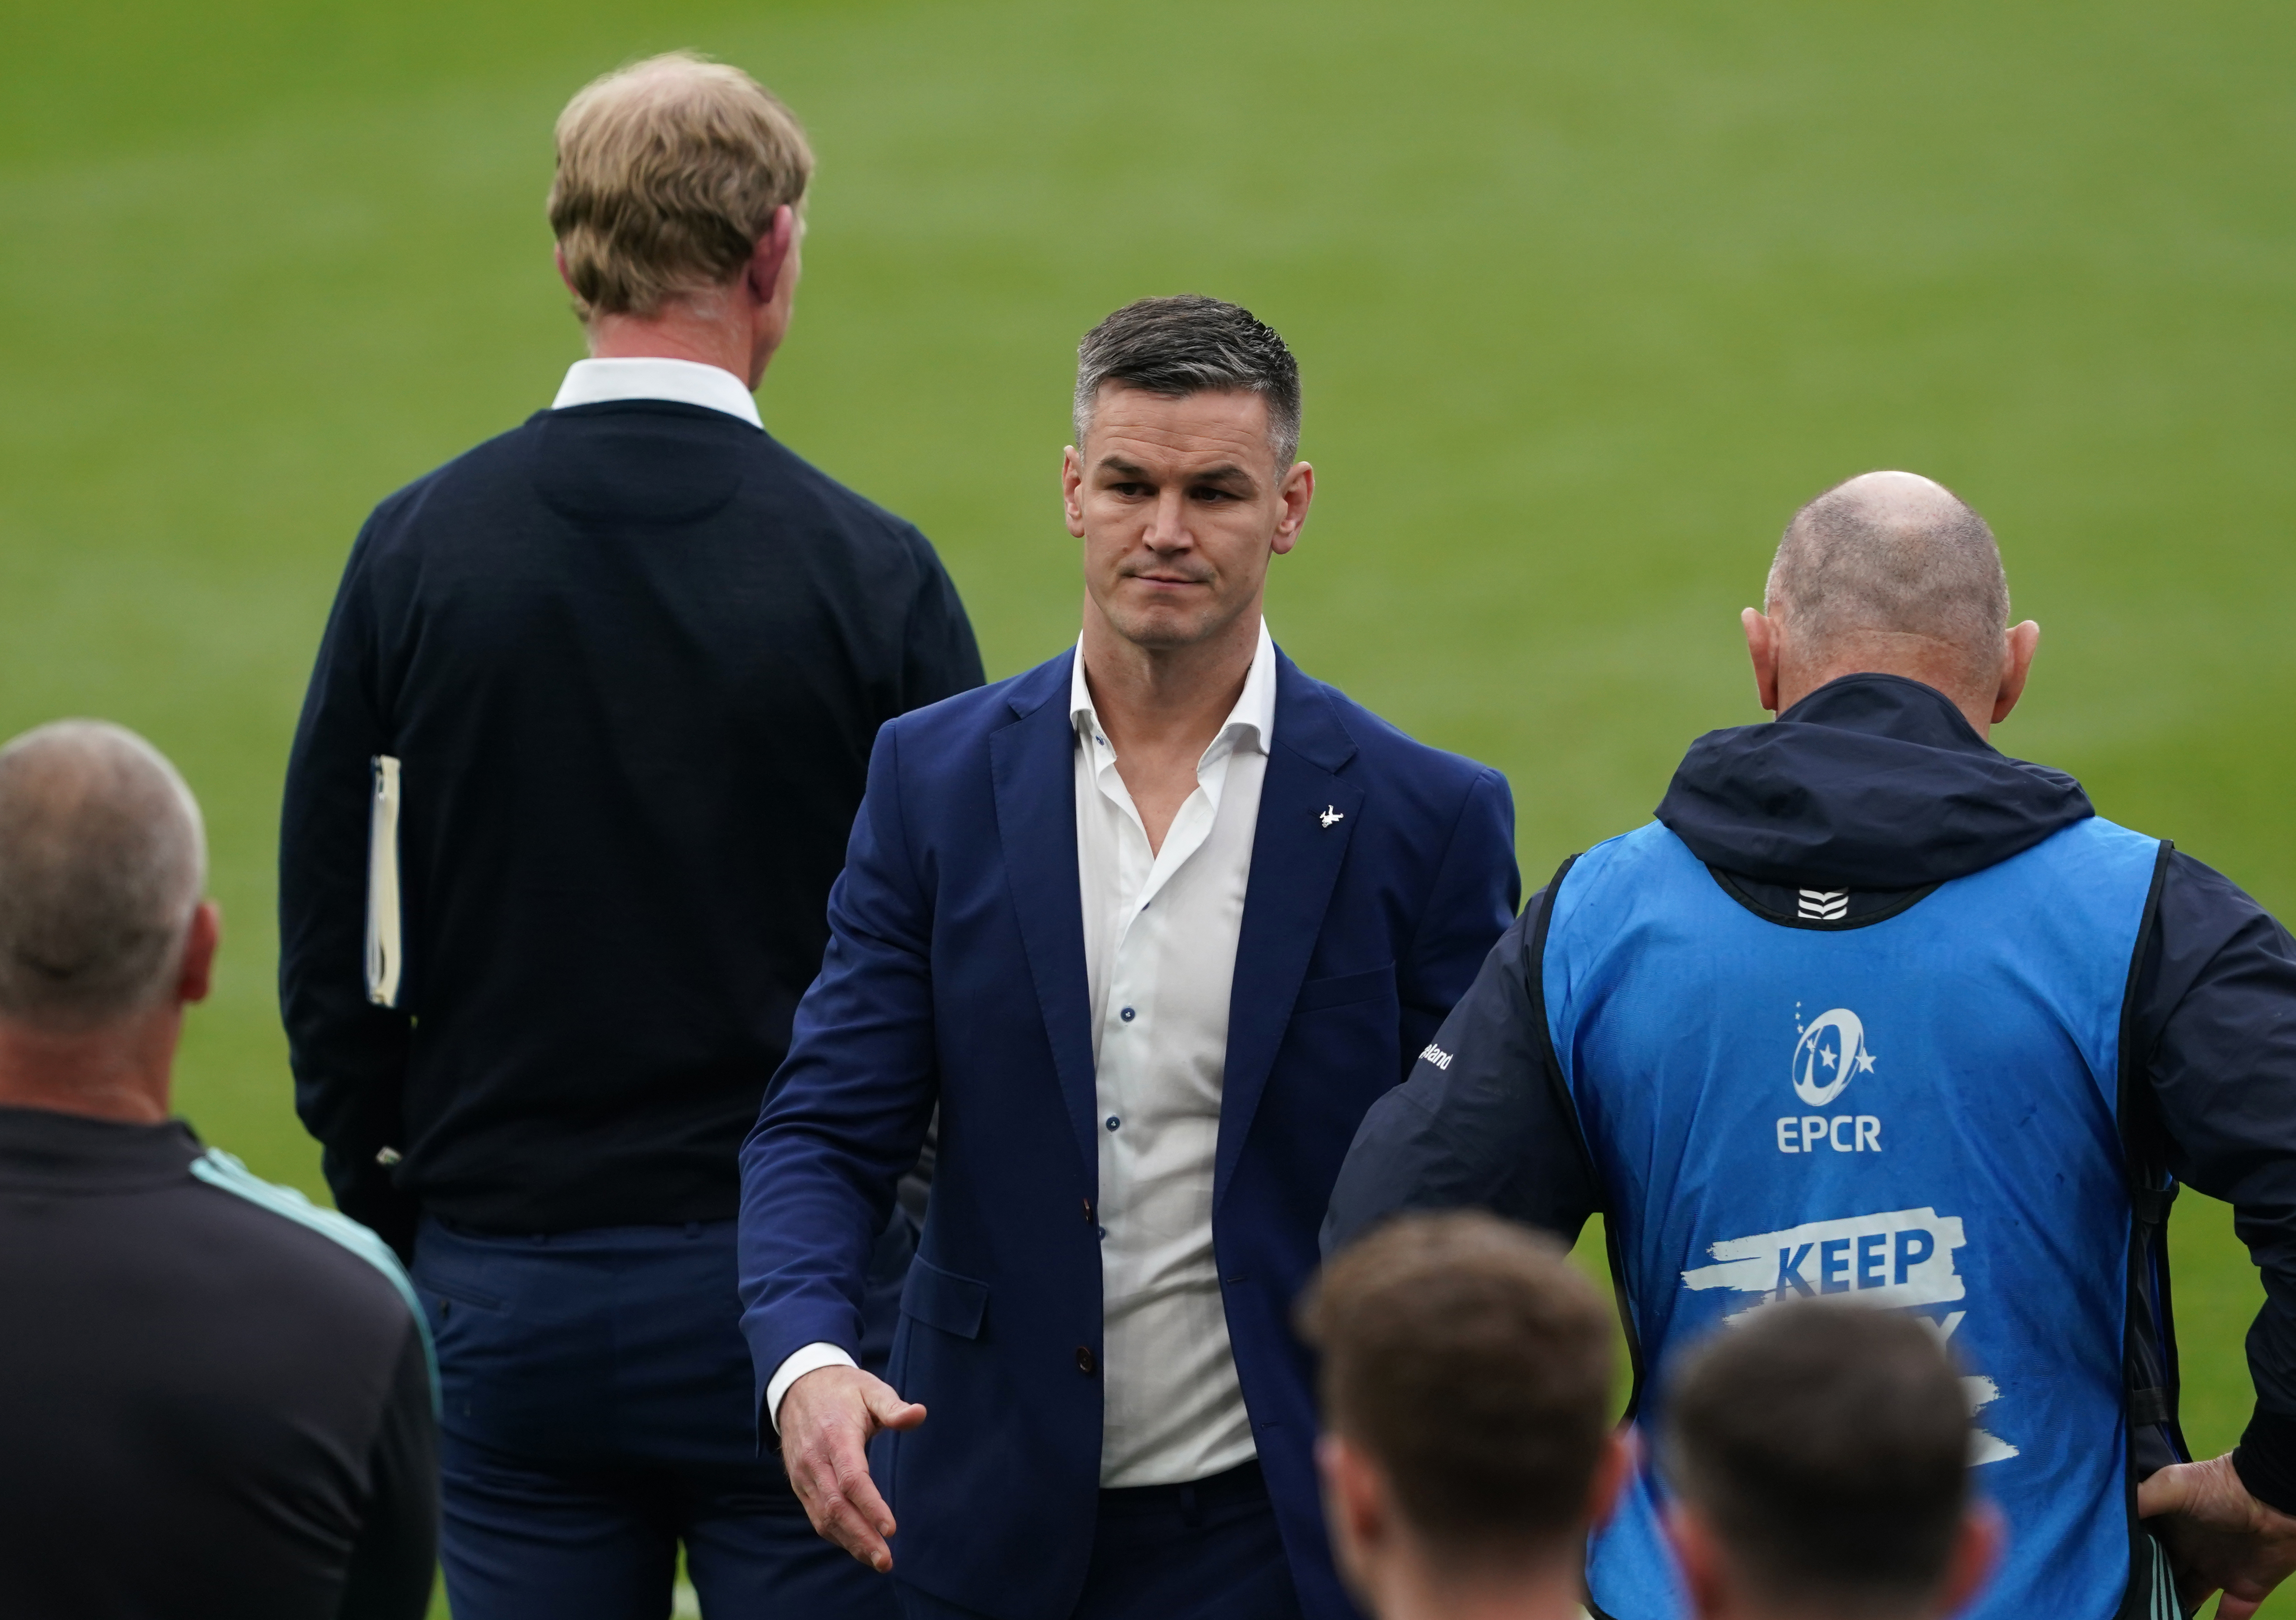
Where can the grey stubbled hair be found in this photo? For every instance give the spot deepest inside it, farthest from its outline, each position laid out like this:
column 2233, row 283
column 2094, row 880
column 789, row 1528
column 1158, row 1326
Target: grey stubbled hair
column 103, row 860
column 1192, row 344
column 1892, row 551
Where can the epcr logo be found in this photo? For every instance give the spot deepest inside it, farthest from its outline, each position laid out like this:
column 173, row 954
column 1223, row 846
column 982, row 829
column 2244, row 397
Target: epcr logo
column 1831, row 1053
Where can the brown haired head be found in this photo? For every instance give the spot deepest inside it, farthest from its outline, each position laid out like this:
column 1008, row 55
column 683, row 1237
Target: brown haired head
column 1856, row 1502
column 1471, row 1362
column 669, row 172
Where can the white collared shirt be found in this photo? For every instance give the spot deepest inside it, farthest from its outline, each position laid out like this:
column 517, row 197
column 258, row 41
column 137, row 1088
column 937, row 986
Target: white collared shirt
column 1160, row 939
column 680, row 382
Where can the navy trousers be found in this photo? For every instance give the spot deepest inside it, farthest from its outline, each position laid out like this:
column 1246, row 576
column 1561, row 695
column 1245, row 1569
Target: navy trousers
column 1205, row 1550
column 600, row 1412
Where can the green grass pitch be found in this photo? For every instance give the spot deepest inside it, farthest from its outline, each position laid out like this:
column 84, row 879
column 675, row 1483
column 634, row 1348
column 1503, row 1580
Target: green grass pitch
column 1587, row 297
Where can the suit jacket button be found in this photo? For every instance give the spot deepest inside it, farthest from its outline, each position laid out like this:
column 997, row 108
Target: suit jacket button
column 1088, row 1362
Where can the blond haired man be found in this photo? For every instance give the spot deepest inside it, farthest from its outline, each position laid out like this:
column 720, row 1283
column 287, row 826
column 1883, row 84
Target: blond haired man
column 588, row 727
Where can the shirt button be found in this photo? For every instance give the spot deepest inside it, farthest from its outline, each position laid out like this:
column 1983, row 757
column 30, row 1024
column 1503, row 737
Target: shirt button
column 1088, row 1362
column 1114, row 1122
column 1126, row 1015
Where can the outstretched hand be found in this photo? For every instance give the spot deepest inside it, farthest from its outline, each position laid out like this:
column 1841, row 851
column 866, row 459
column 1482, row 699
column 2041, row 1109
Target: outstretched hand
column 2217, row 1535
column 827, row 1420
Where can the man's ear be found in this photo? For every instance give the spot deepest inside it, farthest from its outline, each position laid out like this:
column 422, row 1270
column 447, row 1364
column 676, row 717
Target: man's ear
column 1352, row 1483
column 1612, row 1470
column 1762, row 647
column 2016, row 663
column 1296, row 490
column 1699, row 1556
column 771, row 257
column 1356, row 1513
column 1072, row 490
column 199, row 941
column 558, row 257
column 1976, row 1550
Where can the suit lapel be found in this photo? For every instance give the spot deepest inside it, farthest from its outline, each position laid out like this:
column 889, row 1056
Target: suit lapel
column 1033, row 764
column 1295, row 863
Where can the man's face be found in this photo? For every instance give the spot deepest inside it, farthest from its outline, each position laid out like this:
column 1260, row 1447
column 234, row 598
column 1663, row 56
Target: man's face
column 1180, row 504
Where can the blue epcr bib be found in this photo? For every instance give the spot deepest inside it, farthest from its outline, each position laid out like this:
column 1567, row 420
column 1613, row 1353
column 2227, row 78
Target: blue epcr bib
column 1921, row 1112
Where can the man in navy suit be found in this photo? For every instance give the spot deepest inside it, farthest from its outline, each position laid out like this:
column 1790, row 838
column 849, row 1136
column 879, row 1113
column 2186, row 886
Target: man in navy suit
column 1152, row 925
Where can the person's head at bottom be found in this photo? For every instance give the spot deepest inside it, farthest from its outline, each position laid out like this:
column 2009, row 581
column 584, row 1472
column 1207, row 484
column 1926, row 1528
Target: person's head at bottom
column 1818, row 1458
column 1467, row 1445
column 104, row 934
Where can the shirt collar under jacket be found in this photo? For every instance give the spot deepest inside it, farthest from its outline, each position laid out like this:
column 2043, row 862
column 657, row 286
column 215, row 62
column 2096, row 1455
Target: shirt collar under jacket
column 679, row 381
column 1253, row 715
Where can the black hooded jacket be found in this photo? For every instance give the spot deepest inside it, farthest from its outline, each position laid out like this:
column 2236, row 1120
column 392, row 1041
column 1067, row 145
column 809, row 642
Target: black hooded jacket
column 1871, row 788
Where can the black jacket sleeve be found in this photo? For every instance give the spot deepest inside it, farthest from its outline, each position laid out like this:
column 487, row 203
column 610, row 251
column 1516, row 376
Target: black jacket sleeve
column 2216, row 1012
column 942, row 659
column 1481, row 1122
column 348, row 1056
column 396, row 1553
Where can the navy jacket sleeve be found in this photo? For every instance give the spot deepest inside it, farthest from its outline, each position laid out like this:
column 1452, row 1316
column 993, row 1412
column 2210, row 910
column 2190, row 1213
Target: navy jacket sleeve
column 348, row 1056
column 846, row 1115
column 2216, row 1012
column 941, row 657
column 1474, row 899
column 1481, row 1121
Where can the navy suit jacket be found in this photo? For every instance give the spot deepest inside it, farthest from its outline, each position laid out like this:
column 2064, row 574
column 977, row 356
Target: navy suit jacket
column 956, row 976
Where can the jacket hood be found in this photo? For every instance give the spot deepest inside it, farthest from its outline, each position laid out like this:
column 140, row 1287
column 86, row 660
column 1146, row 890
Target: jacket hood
column 1871, row 781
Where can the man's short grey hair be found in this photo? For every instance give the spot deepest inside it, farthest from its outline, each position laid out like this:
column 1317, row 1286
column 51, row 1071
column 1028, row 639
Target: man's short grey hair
column 1892, row 552
column 103, row 862
column 1191, row 344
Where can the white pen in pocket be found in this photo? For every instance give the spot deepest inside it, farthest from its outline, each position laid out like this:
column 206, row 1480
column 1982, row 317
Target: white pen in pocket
column 384, row 956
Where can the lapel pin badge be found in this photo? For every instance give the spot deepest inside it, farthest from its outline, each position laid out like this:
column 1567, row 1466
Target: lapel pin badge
column 1331, row 818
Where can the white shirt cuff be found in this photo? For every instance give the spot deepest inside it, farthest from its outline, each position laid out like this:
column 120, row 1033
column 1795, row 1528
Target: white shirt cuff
column 812, row 1358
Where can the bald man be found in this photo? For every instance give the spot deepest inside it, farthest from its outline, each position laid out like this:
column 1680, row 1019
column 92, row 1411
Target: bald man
column 1872, row 1010
column 215, row 1399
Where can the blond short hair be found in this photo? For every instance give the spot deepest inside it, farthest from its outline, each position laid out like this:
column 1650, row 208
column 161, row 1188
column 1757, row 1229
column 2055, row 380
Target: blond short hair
column 669, row 172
